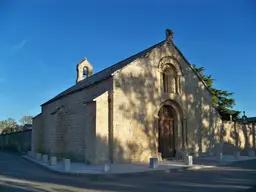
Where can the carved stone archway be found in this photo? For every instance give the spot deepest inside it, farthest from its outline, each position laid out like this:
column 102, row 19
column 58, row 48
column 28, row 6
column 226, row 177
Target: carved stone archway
column 170, row 61
column 178, row 124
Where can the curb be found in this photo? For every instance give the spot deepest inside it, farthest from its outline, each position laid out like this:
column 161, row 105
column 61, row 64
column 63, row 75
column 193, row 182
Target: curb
column 107, row 174
column 44, row 167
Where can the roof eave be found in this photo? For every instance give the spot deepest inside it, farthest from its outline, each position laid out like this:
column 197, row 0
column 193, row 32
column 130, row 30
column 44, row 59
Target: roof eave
column 55, row 99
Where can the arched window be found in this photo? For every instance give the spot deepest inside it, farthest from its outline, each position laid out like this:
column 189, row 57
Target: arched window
column 170, row 79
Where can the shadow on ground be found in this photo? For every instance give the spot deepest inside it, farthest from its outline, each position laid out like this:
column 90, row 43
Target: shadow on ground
column 17, row 174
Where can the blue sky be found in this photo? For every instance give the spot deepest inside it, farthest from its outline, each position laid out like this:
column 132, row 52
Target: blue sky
column 42, row 41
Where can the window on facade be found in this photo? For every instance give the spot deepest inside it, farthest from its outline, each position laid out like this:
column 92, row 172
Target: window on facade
column 169, row 79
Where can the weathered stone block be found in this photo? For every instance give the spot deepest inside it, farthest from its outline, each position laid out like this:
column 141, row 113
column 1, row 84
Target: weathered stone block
column 189, row 160
column 160, row 157
column 153, row 162
column 45, row 159
column 66, row 164
column 53, row 161
column 106, row 167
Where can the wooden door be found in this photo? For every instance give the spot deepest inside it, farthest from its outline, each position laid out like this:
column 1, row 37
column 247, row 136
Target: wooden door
column 166, row 137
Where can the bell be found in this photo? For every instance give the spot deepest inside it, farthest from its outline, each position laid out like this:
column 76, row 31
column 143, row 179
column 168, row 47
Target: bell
column 85, row 71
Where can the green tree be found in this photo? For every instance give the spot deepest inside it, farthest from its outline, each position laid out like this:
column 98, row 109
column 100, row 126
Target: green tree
column 222, row 100
column 1, row 126
column 9, row 130
column 26, row 120
column 9, row 125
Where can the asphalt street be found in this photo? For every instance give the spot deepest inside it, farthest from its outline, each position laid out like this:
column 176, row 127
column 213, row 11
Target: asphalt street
column 20, row 175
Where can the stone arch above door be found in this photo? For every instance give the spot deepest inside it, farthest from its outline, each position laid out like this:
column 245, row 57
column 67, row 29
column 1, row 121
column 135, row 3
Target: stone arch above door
column 180, row 132
column 173, row 104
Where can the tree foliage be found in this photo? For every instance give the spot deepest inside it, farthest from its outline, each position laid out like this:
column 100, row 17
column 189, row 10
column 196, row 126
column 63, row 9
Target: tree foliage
column 222, row 100
column 9, row 125
column 26, row 120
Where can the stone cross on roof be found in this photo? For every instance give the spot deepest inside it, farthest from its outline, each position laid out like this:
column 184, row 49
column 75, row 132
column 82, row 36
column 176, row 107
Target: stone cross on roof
column 169, row 35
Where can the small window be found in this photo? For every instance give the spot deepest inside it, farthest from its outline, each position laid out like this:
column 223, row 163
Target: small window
column 169, row 79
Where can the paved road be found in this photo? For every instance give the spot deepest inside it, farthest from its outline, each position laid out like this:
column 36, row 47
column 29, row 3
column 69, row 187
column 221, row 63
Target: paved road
column 17, row 174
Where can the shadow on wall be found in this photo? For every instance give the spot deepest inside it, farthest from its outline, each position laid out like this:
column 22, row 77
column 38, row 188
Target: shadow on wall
column 141, row 96
column 17, row 141
column 135, row 111
column 99, row 154
column 237, row 136
column 103, row 151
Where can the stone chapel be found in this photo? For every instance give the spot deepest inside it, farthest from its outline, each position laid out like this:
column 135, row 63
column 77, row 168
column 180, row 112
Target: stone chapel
column 152, row 104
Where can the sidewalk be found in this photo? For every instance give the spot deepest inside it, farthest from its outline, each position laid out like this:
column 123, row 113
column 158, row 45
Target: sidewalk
column 124, row 168
column 128, row 168
column 227, row 159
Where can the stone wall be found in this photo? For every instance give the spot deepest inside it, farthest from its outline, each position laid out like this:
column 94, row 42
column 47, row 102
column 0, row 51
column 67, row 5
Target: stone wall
column 102, row 128
column 236, row 136
column 18, row 141
column 37, row 139
column 90, row 133
column 68, row 124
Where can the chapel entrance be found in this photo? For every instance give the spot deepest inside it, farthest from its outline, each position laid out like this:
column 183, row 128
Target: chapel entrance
column 166, row 132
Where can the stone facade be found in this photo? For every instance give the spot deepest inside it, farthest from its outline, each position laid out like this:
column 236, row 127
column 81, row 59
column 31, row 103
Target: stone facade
column 138, row 96
column 117, row 118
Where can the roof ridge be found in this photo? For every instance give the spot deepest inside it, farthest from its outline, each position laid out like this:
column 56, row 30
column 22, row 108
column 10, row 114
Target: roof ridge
column 118, row 62
column 86, row 82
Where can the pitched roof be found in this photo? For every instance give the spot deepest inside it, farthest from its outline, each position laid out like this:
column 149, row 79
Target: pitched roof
column 107, row 73
column 104, row 74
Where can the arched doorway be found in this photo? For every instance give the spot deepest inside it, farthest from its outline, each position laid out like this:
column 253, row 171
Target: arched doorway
column 166, row 131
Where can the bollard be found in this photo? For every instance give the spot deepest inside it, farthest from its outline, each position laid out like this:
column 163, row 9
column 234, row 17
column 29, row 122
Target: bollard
column 53, row 161
column 160, row 157
column 38, row 156
column 153, row 162
column 189, row 160
column 45, row 159
column 251, row 153
column 66, row 164
column 106, row 167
